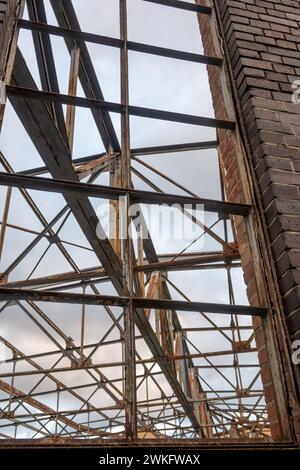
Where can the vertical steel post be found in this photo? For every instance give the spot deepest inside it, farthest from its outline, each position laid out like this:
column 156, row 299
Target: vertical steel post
column 127, row 247
column 71, row 110
column 4, row 219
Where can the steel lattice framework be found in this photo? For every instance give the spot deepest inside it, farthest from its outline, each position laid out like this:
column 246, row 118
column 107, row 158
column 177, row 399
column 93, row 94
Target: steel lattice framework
column 164, row 365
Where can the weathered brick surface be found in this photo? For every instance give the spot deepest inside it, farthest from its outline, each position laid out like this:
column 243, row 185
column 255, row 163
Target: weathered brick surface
column 264, row 47
column 263, row 40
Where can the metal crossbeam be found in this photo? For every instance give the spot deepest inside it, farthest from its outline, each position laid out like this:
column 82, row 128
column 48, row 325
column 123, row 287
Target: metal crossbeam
column 108, row 192
column 157, row 304
column 138, row 111
column 118, row 43
column 182, row 5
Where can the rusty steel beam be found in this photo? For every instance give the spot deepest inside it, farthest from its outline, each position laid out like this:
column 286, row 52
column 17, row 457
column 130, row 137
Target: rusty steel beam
column 137, row 111
column 129, row 352
column 4, row 219
column 189, row 262
column 163, row 149
column 119, row 43
column 8, row 294
column 109, row 365
column 253, row 445
column 199, row 307
column 66, row 187
column 135, row 152
column 76, row 162
column 205, row 10
column 71, row 110
column 59, row 278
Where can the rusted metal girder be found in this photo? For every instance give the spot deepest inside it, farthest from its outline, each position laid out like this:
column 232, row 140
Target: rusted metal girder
column 138, row 111
column 135, row 152
column 71, row 110
column 119, row 43
column 127, row 253
column 4, row 219
column 189, row 262
column 66, row 186
column 183, row 6
column 9, row 294
column 255, row 445
column 163, row 149
column 84, row 274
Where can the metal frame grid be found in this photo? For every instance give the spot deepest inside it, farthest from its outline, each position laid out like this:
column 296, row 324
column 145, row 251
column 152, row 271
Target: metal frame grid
column 163, row 383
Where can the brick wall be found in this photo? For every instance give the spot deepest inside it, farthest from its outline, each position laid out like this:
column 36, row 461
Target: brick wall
column 264, row 44
column 262, row 39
